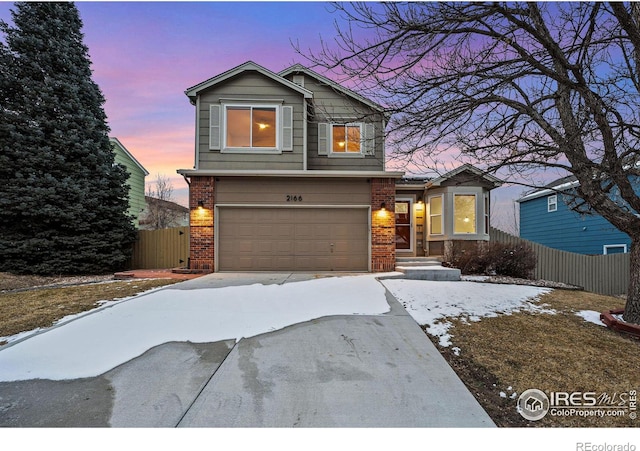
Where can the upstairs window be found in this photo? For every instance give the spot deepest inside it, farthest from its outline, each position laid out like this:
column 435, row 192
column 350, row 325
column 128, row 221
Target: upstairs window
column 251, row 127
column 552, row 203
column 346, row 138
column 246, row 128
column 354, row 139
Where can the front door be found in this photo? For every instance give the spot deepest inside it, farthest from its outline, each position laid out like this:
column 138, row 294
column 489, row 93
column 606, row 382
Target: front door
column 403, row 225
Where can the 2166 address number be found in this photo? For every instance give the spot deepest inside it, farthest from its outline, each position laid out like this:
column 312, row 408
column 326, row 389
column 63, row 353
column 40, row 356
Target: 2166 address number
column 294, row 198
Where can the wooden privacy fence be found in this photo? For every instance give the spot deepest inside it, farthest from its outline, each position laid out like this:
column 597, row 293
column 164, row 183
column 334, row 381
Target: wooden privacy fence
column 604, row 274
column 160, row 249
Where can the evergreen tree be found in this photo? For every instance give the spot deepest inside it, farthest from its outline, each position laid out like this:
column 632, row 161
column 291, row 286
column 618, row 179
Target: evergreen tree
column 63, row 201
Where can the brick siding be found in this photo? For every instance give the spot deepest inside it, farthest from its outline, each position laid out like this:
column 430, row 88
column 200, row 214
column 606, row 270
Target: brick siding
column 201, row 244
column 383, row 225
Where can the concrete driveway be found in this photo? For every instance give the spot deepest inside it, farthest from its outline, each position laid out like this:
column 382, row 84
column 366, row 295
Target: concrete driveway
column 339, row 371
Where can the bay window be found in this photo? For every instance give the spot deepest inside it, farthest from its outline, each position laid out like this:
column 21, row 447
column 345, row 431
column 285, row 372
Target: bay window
column 464, row 213
column 435, row 215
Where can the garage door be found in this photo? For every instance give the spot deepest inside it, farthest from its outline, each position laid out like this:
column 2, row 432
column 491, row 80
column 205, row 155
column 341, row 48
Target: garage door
column 293, row 239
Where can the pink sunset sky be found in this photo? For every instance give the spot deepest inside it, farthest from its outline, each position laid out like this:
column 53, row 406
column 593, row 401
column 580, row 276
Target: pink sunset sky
column 146, row 54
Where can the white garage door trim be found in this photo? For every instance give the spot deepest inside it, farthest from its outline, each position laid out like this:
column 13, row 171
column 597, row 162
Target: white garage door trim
column 218, row 207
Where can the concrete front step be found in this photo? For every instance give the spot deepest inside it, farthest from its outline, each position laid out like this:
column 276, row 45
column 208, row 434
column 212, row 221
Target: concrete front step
column 438, row 273
column 418, row 261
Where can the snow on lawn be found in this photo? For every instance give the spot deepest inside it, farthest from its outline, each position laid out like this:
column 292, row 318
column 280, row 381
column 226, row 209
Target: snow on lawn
column 100, row 341
column 430, row 303
column 591, row 316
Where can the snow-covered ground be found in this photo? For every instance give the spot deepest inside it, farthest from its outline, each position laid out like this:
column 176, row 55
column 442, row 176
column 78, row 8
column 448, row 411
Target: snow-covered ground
column 94, row 343
column 432, row 304
column 98, row 342
column 591, row 317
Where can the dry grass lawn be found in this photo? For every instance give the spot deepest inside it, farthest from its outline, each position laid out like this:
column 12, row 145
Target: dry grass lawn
column 560, row 352
column 29, row 309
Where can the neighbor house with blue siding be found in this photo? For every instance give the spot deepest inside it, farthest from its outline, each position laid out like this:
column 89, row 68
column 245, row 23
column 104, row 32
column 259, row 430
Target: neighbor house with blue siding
column 546, row 218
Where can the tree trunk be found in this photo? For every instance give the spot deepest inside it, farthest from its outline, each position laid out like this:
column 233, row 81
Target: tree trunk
column 632, row 308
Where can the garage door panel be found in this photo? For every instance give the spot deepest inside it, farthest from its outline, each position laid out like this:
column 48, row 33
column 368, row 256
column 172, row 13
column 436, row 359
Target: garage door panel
column 306, row 263
column 292, row 239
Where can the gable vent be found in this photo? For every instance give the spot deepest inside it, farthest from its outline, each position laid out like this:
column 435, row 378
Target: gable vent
column 299, row 80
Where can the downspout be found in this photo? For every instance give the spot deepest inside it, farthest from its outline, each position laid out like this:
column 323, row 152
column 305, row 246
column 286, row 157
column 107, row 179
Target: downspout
column 384, row 144
column 197, row 150
column 304, row 133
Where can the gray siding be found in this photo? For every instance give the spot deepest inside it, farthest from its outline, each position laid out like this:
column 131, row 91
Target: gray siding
column 294, row 192
column 250, row 86
column 328, row 105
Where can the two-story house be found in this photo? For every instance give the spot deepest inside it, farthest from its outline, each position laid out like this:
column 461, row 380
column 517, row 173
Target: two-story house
column 546, row 218
column 137, row 174
column 290, row 175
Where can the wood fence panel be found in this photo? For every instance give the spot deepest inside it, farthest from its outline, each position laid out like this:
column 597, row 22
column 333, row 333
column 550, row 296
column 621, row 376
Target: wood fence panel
column 604, row 274
column 161, row 249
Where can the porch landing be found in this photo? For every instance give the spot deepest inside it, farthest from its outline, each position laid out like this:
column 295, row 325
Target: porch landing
column 426, row 268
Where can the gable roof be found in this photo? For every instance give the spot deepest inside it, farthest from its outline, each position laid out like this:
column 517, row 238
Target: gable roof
column 193, row 91
column 560, row 184
column 496, row 182
column 115, row 141
column 169, row 205
column 296, row 68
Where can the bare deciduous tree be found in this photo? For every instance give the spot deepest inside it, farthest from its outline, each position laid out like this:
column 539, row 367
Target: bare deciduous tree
column 158, row 215
column 518, row 88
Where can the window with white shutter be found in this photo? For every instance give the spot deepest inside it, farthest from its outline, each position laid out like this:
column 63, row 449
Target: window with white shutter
column 287, row 128
column 255, row 128
column 214, row 127
column 323, row 139
column 369, row 143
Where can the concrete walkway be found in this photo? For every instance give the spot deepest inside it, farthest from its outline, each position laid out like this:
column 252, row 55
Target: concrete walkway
column 341, row 371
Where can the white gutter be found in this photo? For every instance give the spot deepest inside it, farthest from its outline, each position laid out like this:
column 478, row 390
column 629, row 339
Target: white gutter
column 288, row 173
column 548, row 191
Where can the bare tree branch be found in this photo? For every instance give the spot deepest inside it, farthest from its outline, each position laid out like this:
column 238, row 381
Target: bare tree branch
column 518, row 88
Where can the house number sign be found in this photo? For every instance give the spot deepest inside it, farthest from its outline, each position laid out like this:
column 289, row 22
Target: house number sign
column 294, row 198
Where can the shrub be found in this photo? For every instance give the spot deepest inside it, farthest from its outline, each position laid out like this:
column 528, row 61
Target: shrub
column 469, row 260
column 512, row 260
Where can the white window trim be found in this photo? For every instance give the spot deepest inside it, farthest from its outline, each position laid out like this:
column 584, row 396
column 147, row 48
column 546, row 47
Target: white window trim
column 552, row 200
column 410, row 201
column 606, row 247
column 441, row 196
column 453, row 222
column 345, row 154
column 486, row 206
column 254, row 150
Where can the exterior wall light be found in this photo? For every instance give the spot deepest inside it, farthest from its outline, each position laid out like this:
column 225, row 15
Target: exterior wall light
column 200, row 205
column 383, row 206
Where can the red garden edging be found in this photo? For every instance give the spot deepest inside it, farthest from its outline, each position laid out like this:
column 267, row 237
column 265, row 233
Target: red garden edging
column 613, row 323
